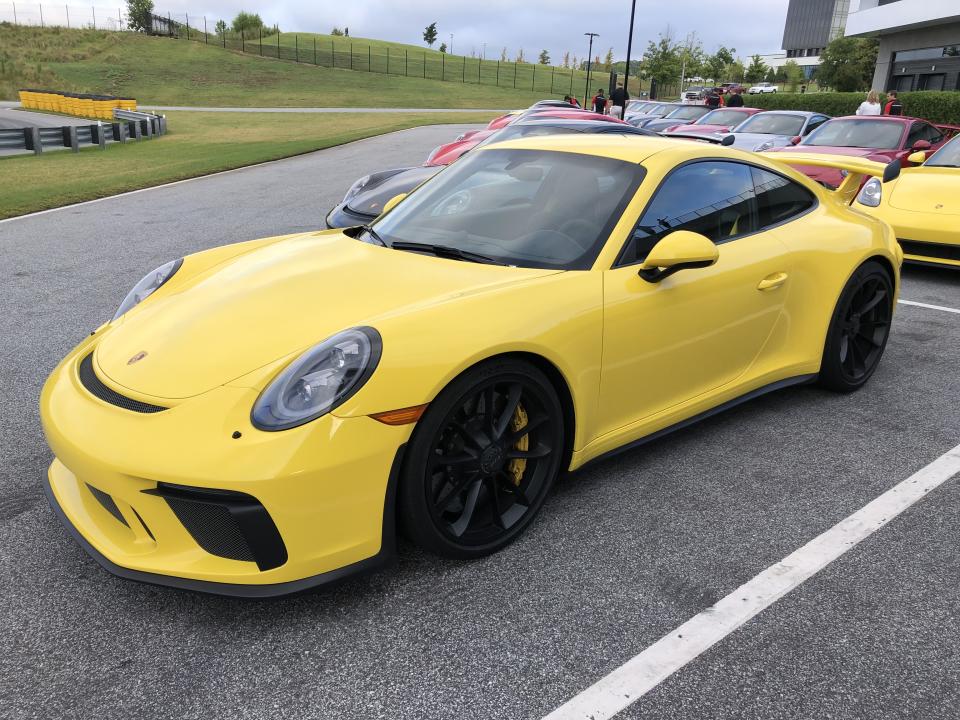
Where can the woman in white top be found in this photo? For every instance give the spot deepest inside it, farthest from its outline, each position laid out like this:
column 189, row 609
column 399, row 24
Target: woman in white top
column 871, row 106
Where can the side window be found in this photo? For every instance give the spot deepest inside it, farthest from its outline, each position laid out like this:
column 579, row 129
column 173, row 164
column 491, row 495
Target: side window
column 713, row 198
column 815, row 122
column 778, row 199
column 923, row 131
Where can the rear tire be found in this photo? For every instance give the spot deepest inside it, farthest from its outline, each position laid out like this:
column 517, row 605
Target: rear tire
column 858, row 330
column 482, row 460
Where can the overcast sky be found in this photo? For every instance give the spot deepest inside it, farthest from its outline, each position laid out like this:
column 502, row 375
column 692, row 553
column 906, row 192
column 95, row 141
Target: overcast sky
column 751, row 26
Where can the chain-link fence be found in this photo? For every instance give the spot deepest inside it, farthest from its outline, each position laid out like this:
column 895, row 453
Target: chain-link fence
column 345, row 53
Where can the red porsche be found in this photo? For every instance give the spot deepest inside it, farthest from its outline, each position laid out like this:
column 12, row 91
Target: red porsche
column 881, row 138
column 721, row 120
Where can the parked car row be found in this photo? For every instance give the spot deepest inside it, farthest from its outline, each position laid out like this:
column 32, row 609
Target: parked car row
column 911, row 142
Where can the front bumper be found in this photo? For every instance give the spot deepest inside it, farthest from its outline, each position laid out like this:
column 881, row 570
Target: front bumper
column 173, row 498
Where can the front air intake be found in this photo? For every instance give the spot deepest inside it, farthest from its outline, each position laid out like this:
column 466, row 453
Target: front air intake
column 93, row 384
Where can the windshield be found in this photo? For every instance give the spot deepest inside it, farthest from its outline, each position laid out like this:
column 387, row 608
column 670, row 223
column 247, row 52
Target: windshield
column 859, row 133
column 660, row 110
column 689, row 112
column 770, row 124
column 532, row 208
column 722, row 117
column 947, row 156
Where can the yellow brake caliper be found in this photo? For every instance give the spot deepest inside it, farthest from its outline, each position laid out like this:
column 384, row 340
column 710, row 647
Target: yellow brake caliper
column 518, row 465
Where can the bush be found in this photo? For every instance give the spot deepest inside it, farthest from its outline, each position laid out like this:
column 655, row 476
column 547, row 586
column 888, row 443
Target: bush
column 938, row 107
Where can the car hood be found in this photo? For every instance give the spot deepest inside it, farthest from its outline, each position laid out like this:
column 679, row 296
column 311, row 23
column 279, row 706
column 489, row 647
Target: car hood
column 204, row 331
column 928, row 189
column 371, row 199
column 751, row 141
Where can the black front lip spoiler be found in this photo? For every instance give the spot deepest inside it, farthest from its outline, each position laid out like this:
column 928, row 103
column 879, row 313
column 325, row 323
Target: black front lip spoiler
column 325, row 580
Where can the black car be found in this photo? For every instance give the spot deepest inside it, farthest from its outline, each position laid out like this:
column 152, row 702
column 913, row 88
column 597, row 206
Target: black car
column 365, row 199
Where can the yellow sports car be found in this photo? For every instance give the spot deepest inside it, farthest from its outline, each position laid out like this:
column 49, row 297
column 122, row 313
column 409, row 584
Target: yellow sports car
column 923, row 206
column 260, row 418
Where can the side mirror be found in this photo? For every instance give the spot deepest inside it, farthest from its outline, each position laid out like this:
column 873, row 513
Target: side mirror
column 795, row 140
column 392, row 203
column 917, row 158
column 921, row 145
column 678, row 251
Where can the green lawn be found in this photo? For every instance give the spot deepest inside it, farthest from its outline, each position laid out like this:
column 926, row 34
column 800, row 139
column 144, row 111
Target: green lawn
column 197, row 144
column 167, row 71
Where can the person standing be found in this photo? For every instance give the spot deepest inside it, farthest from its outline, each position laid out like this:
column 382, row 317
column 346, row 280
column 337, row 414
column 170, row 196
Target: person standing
column 893, row 106
column 736, row 99
column 599, row 102
column 619, row 98
column 713, row 100
column 870, row 106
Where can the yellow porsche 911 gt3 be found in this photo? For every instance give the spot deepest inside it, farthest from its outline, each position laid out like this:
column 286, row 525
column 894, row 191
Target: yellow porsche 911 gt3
column 923, row 206
column 262, row 418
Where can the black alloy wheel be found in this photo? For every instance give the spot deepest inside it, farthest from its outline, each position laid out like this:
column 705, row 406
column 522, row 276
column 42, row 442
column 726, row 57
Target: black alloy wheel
column 482, row 460
column 859, row 329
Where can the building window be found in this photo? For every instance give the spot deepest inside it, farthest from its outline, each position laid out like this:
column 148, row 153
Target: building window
column 933, row 53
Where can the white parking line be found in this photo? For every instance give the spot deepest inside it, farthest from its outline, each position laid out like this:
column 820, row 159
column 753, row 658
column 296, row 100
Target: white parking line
column 929, row 307
column 645, row 671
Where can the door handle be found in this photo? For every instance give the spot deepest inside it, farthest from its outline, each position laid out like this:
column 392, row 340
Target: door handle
column 772, row 282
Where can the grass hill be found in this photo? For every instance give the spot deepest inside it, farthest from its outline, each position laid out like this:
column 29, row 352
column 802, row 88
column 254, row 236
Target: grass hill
column 181, row 72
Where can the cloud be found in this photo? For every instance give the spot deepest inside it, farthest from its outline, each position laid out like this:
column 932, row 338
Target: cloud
column 534, row 25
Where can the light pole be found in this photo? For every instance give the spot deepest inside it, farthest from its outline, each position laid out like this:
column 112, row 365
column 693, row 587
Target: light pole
column 484, row 56
column 586, row 92
column 626, row 72
column 451, row 44
column 683, row 66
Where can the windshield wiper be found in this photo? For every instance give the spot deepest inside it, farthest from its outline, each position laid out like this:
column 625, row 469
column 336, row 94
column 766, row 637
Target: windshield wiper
column 445, row 251
column 373, row 234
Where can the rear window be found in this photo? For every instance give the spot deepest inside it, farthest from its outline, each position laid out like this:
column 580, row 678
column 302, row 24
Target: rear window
column 857, row 133
column 722, row 117
column 767, row 124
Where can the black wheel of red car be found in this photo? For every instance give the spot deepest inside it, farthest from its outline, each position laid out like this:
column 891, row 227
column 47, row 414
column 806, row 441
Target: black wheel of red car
column 482, row 460
column 859, row 329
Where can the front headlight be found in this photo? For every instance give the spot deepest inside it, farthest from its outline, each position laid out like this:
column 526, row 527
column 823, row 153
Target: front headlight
column 871, row 193
column 150, row 283
column 321, row 379
column 356, row 187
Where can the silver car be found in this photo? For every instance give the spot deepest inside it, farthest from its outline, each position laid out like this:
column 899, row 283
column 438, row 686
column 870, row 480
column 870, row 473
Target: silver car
column 775, row 128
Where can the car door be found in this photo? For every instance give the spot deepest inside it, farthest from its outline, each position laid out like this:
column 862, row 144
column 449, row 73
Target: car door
column 699, row 329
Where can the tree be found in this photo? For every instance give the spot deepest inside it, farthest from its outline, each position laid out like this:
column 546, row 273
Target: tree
column 847, row 64
column 346, row 32
column 443, row 47
column 337, row 32
column 520, row 58
column 771, row 76
column 792, row 75
column 736, row 71
column 503, row 55
column 608, row 60
column 661, row 62
column 566, row 60
column 544, row 58
column 247, row 22
column 139, row 14
column 574, row 63
column 757, row 70
column 716, row 65
column 430, row 34
column 220, row 28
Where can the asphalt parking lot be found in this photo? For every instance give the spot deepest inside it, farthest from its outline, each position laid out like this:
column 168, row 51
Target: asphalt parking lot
column 624, row 552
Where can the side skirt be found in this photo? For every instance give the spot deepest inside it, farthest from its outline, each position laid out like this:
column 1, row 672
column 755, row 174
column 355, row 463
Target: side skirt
column 753, row 394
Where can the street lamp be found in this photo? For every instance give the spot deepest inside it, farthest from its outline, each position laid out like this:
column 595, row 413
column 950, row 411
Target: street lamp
column 626, row 72
column 451, row 43
column 586, row 92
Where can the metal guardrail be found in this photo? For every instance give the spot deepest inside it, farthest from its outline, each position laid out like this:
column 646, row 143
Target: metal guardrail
column 129, row 125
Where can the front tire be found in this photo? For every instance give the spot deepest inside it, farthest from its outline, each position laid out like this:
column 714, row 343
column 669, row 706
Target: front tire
column 858, row 330
column 482, row 460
